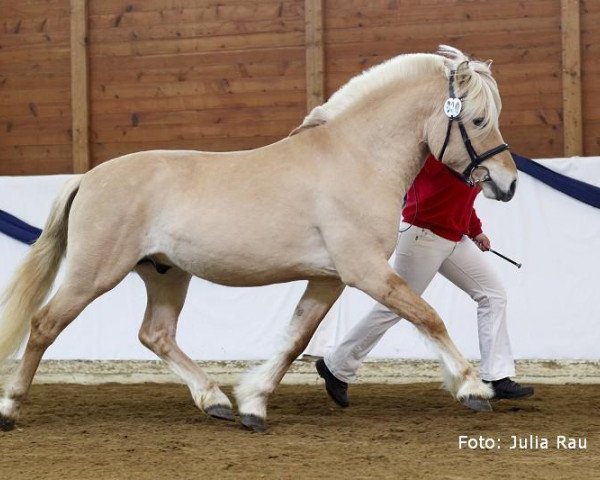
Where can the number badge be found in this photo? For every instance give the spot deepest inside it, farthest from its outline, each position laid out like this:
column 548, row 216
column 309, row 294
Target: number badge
column 452, row 107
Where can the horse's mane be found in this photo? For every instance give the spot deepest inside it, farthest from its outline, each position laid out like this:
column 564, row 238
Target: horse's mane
column 478, row 90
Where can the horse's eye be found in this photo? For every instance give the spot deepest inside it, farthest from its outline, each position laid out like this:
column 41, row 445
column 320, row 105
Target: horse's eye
column 478, row 122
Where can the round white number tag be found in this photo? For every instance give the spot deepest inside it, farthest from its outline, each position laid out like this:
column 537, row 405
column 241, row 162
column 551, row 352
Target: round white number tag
column 452, row 107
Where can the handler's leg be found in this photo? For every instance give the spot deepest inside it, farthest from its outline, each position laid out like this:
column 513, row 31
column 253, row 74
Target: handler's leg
column 256, row 386
column 166, row 296
column 468, row 269
column 419, row 254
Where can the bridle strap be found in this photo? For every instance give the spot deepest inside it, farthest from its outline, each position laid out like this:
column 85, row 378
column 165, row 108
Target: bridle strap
column 475, row 158
column 450, row 119
column 446, row 140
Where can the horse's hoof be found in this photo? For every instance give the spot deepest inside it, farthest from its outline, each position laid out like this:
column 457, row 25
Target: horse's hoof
column 476, row 403
column 253, row 422
column 222, row 412
column 6, row 424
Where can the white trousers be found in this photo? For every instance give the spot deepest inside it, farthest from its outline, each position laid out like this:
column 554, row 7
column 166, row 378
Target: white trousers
column 420, row 254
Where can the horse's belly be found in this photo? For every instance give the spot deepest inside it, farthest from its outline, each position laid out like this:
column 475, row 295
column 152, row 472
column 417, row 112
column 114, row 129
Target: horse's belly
column 238, row 275
column 245, row 261
column 234, row 270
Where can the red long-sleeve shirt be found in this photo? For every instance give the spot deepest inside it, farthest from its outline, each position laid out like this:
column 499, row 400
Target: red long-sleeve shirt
column 442, row 202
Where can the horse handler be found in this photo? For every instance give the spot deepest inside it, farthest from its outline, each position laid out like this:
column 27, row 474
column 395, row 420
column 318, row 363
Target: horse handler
column 441, row 233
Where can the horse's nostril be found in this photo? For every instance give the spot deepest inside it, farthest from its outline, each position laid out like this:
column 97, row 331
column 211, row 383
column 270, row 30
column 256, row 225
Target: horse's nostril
column 508, row 195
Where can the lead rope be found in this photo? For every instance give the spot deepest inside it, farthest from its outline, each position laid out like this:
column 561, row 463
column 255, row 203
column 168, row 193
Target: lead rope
column 410, row 224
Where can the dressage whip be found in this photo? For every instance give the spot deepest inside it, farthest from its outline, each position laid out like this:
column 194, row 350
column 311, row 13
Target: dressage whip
column 518, row 265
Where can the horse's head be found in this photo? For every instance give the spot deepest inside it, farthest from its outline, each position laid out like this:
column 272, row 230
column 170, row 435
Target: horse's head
column 463, row 132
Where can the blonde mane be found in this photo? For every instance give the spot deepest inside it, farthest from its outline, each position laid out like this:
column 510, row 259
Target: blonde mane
column 478, row 89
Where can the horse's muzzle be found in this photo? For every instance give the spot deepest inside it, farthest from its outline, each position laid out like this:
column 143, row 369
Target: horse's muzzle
column 509, row 194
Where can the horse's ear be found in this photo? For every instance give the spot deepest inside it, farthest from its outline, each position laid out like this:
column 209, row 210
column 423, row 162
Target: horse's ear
column 489, row 63
column 463, row 72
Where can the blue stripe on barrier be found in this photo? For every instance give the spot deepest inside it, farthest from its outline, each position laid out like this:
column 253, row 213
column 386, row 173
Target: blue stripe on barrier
column 18, row 229
column 584, row 192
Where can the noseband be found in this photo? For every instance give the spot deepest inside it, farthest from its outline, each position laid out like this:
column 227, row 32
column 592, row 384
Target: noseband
column 452, row 108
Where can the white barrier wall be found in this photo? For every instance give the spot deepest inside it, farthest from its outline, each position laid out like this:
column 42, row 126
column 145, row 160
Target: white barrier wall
column 554, row 312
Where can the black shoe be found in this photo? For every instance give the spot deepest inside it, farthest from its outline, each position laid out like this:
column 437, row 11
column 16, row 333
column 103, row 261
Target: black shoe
column 506, row 388
column 337, row 390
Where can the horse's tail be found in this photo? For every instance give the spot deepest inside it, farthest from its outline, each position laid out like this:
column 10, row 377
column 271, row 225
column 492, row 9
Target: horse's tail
column 33, row 280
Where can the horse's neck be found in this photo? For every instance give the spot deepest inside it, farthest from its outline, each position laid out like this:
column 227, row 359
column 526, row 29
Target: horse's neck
column 389, row 135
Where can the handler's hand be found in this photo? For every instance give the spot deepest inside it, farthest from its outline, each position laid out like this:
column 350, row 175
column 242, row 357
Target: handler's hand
column 483, row 242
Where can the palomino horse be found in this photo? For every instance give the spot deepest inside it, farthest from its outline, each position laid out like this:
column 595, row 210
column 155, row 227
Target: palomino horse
column 322, row 205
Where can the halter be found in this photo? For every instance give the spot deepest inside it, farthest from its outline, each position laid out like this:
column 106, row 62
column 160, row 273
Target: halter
column 452, row 108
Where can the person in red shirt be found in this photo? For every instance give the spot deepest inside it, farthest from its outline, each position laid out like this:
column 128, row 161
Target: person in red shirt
column 441, row 233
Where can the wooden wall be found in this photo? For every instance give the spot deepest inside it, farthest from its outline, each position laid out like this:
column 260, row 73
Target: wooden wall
column 35, row 98
column 522, row 37
column 231, row 74
column 208, row 75
column 590, row 53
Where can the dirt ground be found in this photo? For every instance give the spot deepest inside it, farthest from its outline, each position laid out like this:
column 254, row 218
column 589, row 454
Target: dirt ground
column 153, row 431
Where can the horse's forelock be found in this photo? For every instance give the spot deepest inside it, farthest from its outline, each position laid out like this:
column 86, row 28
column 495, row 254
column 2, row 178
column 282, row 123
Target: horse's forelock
column 482, row 99
column 479, row 89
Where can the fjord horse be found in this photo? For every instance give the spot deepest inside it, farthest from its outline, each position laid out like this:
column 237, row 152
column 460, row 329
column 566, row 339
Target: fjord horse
column 321, row 205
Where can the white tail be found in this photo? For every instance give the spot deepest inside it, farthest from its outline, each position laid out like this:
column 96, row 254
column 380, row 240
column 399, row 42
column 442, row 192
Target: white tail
column 34, row 278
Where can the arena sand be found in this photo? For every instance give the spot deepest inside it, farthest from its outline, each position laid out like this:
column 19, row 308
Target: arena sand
column 152, row 431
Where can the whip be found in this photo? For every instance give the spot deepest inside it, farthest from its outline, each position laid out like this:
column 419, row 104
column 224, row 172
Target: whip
column 518, row 265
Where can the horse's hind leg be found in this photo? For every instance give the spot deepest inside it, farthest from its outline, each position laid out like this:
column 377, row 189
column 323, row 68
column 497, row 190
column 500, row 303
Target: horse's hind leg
column 46, row 325
column 77, row 290
column 253, row 391
column 166, row 296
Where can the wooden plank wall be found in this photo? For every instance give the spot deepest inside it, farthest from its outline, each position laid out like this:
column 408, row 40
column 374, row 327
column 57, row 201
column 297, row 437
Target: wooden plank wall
column 523, row 39
column 35, row 98
column 590, row 59
column 207, row 75
column 231, row 74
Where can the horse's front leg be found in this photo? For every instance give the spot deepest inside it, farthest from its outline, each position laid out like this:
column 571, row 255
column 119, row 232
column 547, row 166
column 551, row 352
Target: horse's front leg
column 255, row 387
column 383, row 284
